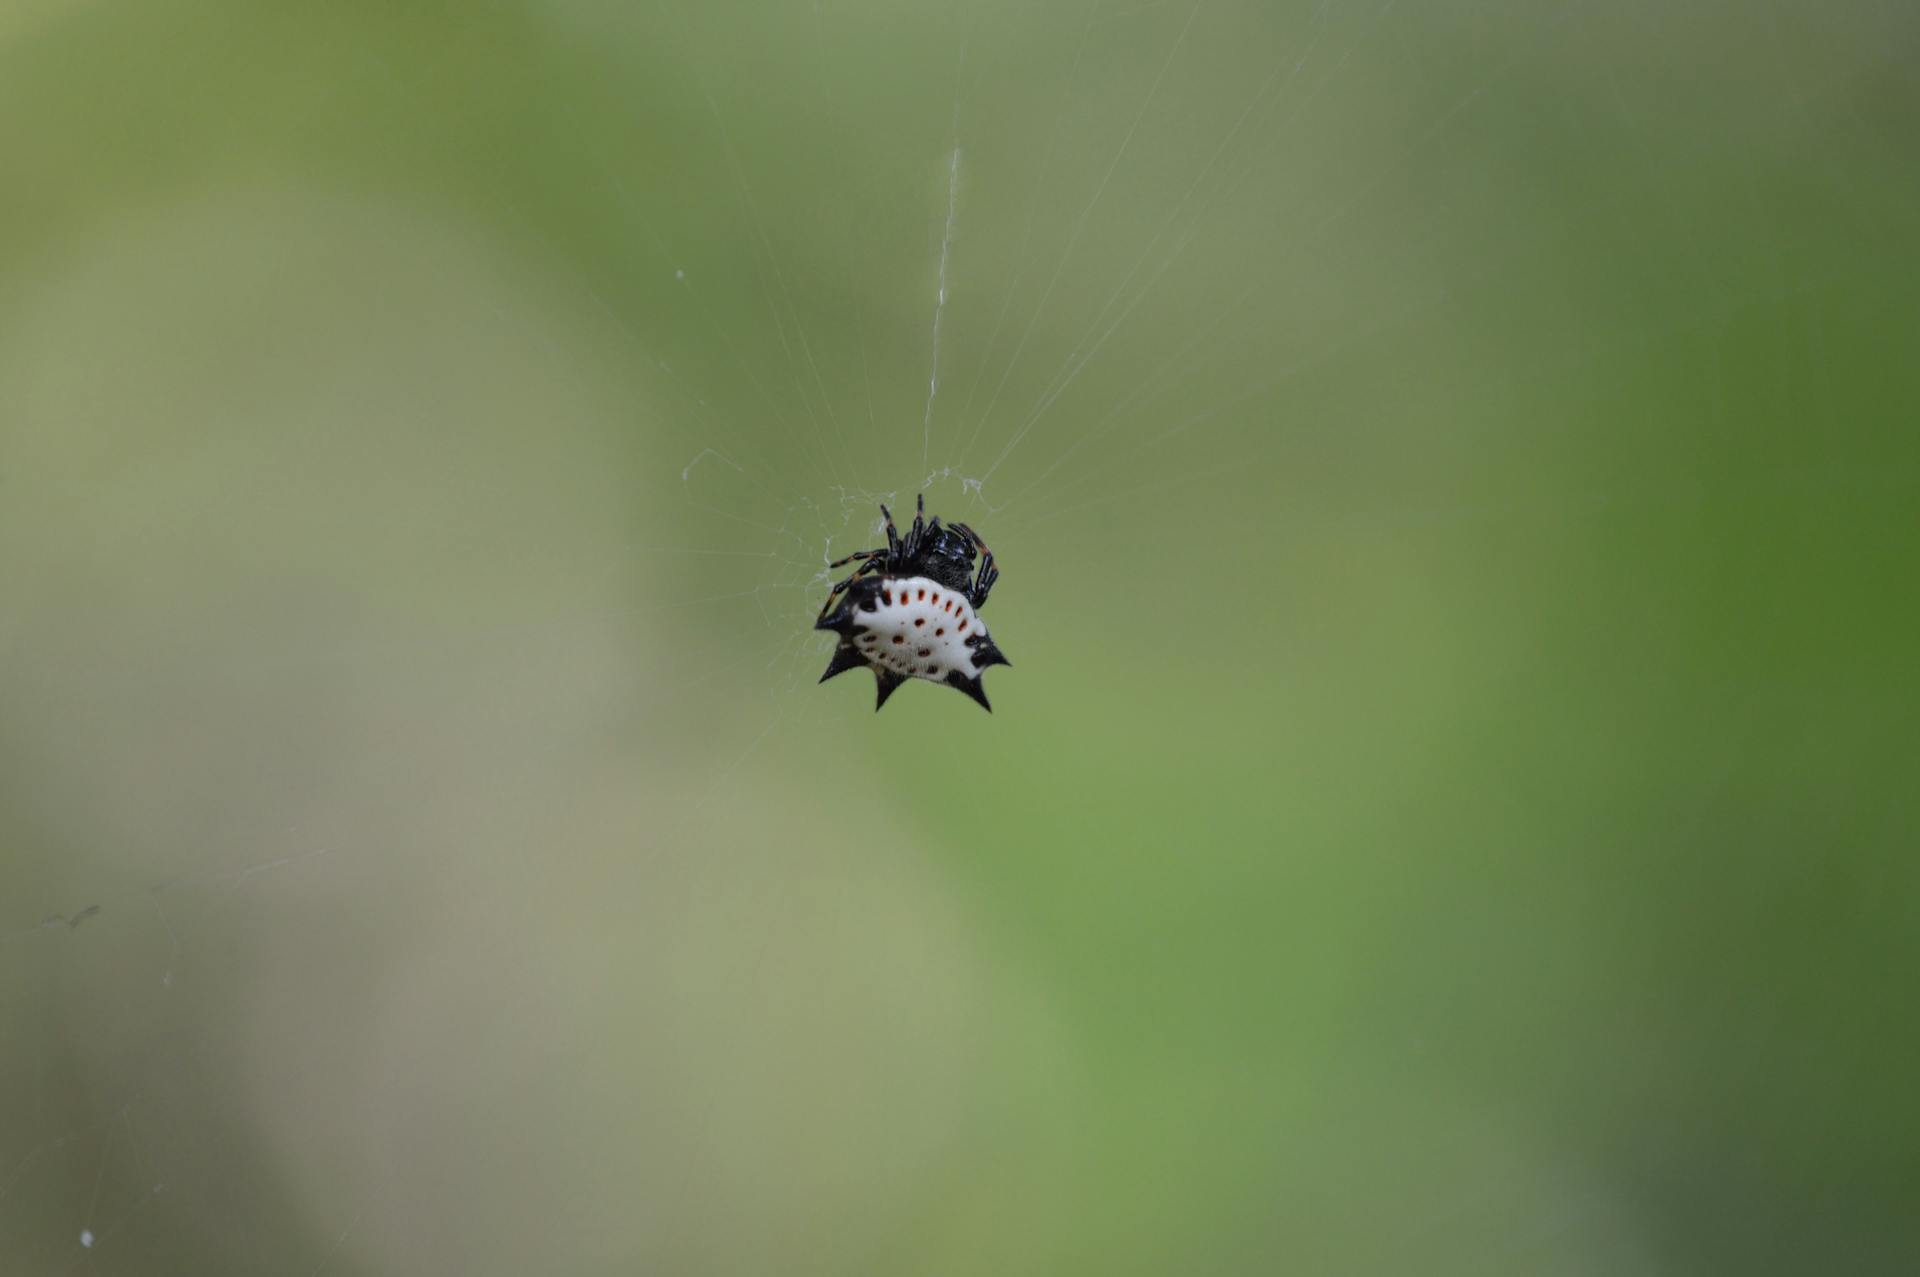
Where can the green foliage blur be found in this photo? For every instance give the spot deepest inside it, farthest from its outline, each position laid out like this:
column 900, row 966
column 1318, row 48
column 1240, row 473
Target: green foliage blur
column 1453, row 806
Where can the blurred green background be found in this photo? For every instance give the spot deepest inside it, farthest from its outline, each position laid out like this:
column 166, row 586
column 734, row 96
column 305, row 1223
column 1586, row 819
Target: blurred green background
column 1453, row 808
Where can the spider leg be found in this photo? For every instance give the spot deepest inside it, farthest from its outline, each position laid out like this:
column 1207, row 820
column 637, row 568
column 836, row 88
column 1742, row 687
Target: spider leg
column 868, row 568
column 893, row 538
column 983, row 584
column 988, row 574
column 915, row 536
column 839, row 588
column 858, row 554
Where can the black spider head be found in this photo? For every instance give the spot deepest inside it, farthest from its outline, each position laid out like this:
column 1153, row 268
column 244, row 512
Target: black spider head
column 945, row 555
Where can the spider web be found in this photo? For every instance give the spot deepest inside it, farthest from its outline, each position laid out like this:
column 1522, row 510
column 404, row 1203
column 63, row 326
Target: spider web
column 1054, row 328
column 426, row 435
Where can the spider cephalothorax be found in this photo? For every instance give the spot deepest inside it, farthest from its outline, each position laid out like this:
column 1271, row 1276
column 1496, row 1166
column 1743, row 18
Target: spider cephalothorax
column 912, row 610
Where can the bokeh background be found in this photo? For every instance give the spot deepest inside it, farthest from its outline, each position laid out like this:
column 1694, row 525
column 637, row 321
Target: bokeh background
column 1453, row 808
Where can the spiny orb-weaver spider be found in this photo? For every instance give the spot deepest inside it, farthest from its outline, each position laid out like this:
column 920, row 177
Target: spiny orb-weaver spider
column 912, row 609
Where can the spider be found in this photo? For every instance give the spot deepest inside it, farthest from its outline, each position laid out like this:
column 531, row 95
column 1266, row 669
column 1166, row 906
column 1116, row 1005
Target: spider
column 912, row 609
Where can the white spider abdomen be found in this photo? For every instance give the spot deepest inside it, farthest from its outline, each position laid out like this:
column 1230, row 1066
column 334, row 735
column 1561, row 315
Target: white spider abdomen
column 920, row 628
